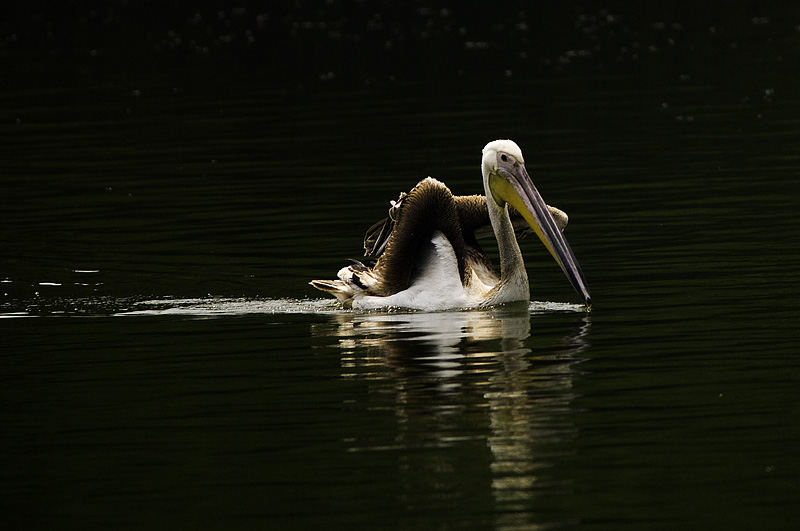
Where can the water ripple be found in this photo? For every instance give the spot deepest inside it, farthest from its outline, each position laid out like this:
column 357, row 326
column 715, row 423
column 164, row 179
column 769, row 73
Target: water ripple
column 209, row 307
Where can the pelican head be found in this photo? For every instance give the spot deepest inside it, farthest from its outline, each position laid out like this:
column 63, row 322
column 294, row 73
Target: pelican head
column 506, row 182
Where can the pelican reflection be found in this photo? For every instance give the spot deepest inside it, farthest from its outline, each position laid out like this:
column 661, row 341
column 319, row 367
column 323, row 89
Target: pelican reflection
column 480, row 395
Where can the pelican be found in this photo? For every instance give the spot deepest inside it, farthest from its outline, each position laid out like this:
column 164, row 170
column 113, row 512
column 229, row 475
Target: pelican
column 428, row 253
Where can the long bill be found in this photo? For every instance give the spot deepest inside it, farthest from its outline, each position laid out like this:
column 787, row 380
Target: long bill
column 514, row 186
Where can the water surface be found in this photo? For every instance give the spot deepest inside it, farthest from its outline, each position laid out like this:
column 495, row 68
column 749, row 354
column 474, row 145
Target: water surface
column 166, row 365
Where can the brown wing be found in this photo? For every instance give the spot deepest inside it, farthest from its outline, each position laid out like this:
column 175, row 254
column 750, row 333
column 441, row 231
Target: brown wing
column 400, row 239
column 472, row 214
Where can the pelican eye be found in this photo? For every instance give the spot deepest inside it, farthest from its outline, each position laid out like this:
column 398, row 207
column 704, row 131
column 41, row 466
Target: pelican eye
column 504, row 158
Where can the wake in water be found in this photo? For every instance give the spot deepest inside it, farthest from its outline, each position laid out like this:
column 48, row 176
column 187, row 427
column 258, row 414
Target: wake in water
column 208, row 307
column 218, row 306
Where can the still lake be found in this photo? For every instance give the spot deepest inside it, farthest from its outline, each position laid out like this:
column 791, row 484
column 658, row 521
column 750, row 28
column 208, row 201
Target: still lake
column 166, row 366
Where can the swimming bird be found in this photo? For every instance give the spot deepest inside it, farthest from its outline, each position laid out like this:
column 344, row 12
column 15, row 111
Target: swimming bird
column 428, row 252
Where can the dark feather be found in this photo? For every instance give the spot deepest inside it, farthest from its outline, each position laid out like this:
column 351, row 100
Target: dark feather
column 377, row 236
column 473, row 217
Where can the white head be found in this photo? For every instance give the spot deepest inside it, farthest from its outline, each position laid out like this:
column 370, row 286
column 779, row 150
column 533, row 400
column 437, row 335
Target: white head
column 506, row 182
column 490, row 152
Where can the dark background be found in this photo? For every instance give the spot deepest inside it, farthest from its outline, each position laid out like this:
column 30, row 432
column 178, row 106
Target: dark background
column 367, row 42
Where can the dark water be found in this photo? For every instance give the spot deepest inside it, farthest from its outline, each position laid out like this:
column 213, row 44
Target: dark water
column 165, row 364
